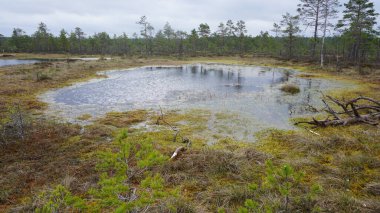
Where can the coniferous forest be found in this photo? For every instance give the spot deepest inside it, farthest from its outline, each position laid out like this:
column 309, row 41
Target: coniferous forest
column 350, row 37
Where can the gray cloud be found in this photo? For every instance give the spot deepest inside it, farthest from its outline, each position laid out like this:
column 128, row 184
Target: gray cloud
column 118, row 16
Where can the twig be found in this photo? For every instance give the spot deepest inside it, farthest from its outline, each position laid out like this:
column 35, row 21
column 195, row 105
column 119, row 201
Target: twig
column 316, row 133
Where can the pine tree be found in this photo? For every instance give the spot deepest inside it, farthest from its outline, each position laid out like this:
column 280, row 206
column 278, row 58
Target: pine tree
column 310, row 12
column 79, row 34
column 168, row 31
column 358, row 21
column 41, row 38
column 329, row 11
column 231, row 29
column 204, row 30
column 276, row 29
column 63, row 41
column 147, row 33
column 290, row 29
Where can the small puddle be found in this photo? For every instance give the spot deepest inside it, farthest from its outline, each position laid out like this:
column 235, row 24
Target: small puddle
column 251, row 94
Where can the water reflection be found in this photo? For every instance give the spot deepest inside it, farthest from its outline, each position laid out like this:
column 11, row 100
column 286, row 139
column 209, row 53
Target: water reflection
column 252, row 92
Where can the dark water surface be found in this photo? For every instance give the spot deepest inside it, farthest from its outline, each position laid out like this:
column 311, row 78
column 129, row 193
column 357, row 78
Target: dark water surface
column 252, row 93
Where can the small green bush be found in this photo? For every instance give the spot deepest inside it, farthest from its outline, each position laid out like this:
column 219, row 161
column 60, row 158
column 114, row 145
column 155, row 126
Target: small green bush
column 115, row 191
column 60, row 199
column 281, row 184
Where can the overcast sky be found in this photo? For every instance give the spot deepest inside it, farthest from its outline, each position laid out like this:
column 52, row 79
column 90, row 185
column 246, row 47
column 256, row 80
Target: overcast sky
column 118, row 16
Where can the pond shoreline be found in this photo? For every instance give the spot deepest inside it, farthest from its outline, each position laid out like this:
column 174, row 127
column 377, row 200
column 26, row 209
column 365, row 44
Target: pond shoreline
column 240, row 99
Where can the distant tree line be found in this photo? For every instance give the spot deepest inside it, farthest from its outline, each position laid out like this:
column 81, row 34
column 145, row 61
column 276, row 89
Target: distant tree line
column 354, row 40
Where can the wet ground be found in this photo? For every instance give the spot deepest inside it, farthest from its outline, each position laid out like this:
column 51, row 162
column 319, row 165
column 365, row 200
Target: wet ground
column 251, row 95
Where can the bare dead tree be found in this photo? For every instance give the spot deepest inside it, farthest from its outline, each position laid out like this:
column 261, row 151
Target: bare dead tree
column 177, row 133
column 176, row 130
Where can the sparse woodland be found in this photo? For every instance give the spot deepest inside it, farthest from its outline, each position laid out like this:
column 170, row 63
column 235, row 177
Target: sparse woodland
column 353, row 40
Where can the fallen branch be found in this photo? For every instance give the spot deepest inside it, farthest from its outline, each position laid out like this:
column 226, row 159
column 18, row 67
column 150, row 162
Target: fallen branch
column 177, row 152
column 130, row 197
column 316, row 133
column 352, row 112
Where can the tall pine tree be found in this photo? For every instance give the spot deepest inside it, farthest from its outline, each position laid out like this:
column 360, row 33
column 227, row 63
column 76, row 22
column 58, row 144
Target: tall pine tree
column 358, row 22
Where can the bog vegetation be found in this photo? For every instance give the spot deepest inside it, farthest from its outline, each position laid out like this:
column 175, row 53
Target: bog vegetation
column 112, row 165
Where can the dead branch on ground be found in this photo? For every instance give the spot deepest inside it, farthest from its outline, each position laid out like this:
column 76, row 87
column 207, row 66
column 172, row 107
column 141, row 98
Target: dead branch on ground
column 177, row 152
column 358, row 110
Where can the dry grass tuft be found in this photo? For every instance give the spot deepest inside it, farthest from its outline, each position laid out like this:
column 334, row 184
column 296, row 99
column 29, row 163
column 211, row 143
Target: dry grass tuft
column 373, row 188
column 290, row 88
column 124, row 119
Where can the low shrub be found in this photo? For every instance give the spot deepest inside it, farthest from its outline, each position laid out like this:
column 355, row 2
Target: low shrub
column 13, row 125
column 42, row 76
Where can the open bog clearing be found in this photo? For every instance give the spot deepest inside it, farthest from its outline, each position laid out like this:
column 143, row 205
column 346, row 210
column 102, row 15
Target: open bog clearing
column 227, row 122
column 251, row 94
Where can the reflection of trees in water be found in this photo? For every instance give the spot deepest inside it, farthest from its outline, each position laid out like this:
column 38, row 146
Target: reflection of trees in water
column 239, row 85
column 194, row 69
column 285, row 77
column 264, row 70
column 230, row 75
column 235, row 77
column 305, row 105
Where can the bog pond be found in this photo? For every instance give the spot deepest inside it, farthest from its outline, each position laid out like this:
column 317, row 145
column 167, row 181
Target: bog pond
column 11, row 62
column 252, row 94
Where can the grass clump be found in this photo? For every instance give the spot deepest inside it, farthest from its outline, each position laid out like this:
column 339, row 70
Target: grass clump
column 84, row 117
column 124, row 119
column 290, row 88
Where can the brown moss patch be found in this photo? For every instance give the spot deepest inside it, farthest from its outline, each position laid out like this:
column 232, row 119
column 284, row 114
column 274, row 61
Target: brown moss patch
column 124, row 119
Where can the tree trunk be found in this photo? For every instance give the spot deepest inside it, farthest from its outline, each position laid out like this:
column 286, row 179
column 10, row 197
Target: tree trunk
column 316, row 30
column 322, row 51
